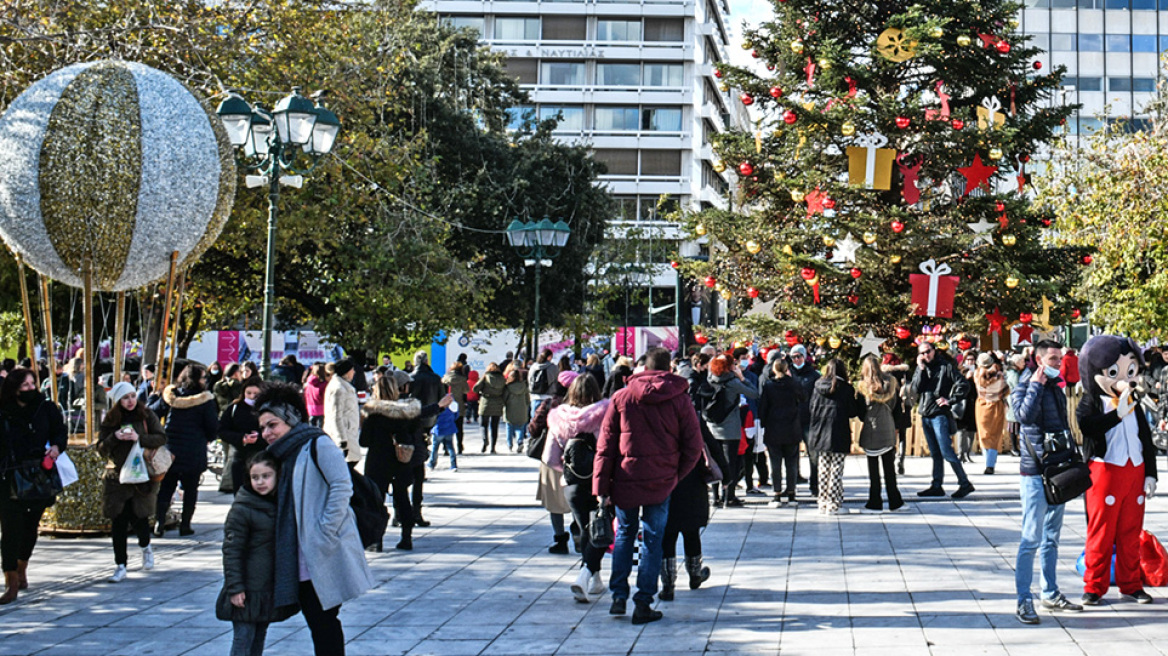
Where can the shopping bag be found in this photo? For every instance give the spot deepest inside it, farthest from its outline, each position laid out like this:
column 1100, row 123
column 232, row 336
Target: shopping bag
column 134, row 469
column 67, row 470
column 158, row 462
column 1153, row 561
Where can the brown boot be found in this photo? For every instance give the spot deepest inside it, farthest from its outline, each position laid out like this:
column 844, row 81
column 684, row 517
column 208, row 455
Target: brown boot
column 22, row 573
column 12, row 582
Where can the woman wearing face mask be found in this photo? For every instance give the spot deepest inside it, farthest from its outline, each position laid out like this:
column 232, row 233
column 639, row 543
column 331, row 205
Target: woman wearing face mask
column 128, row 505
column 239, row 426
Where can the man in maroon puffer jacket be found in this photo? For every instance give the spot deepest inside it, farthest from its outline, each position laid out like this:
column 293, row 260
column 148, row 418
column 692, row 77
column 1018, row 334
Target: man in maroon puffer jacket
column 649, row 441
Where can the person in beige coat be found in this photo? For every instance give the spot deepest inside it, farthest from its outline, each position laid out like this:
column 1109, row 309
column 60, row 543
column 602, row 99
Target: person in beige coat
column 990, row 407
column 342, row 413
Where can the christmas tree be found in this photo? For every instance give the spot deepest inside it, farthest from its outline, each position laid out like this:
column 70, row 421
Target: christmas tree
column 885, row 186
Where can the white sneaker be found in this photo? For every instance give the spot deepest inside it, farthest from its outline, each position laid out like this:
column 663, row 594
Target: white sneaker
column 869, row 511
column 775, row 504
column 598, row 587
column 453, row 470
column 148, row 557
column 119, row 574
column 578, row 590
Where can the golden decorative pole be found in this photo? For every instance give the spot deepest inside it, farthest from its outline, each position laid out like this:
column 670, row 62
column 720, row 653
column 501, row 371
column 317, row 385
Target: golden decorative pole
column 90, row 352
column 119, row 337
column 161, row 371
column 50, row 348
column 36, row 372
column 182, row 288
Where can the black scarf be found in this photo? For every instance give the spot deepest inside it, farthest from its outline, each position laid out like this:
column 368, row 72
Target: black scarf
column 286, row 450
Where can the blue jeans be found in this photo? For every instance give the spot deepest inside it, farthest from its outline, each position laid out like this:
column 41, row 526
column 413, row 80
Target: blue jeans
column 448, row 440
column 628, row 521
column 991, row 456
column 941, row 448
column 535, row 403
column 248, row 639
column 1041, row 525
column 516, row 433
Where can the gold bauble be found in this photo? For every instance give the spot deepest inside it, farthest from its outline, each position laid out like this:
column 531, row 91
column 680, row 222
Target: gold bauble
column 834, row 342
column 847, row 129
column 895, row 259
column 796, row 46
column 719, row 166
column 723, row 87
column 1009, row 240
column 820, row 341
column 995, row 153
column 825, row 64
column 1011, row 282
column 700, row 229
column 869, row 238
column 752, row 247
column 797, row 196
column 942, row 345
column 746, row 45
column 726, row 294
column 964, row 41
column 828, row 241
column 1014, row 23
column 937, row 32
column 787, row 250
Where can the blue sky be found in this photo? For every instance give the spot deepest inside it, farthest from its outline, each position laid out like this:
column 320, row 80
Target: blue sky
column 751, row 11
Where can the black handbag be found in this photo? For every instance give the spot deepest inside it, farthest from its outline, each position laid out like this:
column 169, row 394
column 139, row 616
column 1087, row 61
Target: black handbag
column 534, row 446
column 600, row 531
column 1064, row 474
column 29, row 481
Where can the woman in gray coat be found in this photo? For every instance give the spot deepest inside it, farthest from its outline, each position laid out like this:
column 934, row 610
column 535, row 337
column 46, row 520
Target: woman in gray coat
column 878, row 392
column 723, row 416
column 320, row 562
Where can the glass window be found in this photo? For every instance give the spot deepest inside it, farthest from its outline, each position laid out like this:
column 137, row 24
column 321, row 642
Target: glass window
column 616, row 118
column 1118, row 4
column 1068, row 4
column 660, row 162
column 1063, row 42
column 620, row 75
column 1118, row 43
column 562, row 73
column 526, row 71
column 1143, row 4
column 517, row 29
column 663, row 75
column 618, row 30
column 1090, row 84
column 664, row 29
column 458, row 22
column 1144, row 43
column 661, row 119
column 1091, row 42
column 563, row 28
column 1037, row 4
column 626, row 208
column 619, row 162
column 1119, row 84
column 1144, row 84
column 1089, row 124
column 1041, row 41
column 1163, row 42
column 571, row 116
column 1163, row 4
column 518, row 115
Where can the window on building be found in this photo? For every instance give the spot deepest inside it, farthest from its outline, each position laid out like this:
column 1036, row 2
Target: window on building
column 653, row 207
column 618, row 30
column 1041, row 41
column 663, row 75
column 1037, row 4
column 1163, row 42
column 1144, row 84
column 616, row 118
column 660, row 162
column 571, row 116
column 664, row 29
column 1143, row 4
column 1090, row 83
column 1118, row 43
column 661, row 119
column 1144, row 43
column 1087, row 124
column 1091, row 42
column 1119, row 84
column 1083, row 4
column 526, row 71
column 1060, row 42
column 562, row 73
column 516, row 29
column 619, row 162
column 517, row 116
column 1118, row 4
column 618, row 75
column 1066, row 4
column 563, row 28
column 1163, row 5
column 458, row 22
column 626, row 208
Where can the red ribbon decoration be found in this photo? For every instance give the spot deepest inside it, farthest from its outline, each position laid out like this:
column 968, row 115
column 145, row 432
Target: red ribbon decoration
column 810, row 68
column 911, row 193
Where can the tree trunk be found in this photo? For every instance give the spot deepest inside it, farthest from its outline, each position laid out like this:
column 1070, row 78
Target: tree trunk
column 187, row 333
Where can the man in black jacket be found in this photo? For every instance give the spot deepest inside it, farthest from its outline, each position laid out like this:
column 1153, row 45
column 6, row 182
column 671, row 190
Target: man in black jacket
column 426, row 386
column 933, row 382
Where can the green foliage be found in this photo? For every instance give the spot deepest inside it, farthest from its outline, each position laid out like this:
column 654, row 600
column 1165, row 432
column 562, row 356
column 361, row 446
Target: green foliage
column 12, row 333
column 792, row 160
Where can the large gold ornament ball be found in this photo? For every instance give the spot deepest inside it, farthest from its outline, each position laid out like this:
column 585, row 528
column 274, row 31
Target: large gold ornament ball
column 796, row 46
column 995, row 153
column 834, row 342
column 828, row 241
column 895, row 259
column 700, row 229
column 1011, row 282
column 726, row 294
column 797, row 196
column 1009, row 240
column 753, row 247
column 964, row 40
column 869, row 238
column 719, row 166
column 848, row 129
column 937, row 32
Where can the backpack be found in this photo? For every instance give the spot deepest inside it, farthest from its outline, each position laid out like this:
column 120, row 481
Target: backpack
column 720, row 405
column 579, row 457
column 540, row 383
column 367, row 504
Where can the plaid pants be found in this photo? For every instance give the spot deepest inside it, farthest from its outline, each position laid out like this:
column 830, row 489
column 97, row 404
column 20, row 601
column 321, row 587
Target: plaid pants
column 831, row 481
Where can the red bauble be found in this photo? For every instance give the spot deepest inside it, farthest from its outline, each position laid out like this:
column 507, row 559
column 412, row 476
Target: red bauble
column 1087, row 259
column 711, row 281
column 1002, row 47
column 1038, row 66
column 789, row 117
column 903, row 333
column 776, row 92
column 897, row 226
column 754, row 53
column 808, row 273
column 791, row 338
column 966, row 254
column 828, row 204
column 746, row 99
column 1026, row 317
column 1000, row 206
column 964, row 344
column 718, row 73
column 701, row 339
column 1076, row 314
column 856, row 272
column 674, row 264
column 746, row 168
column 752, row 292
column 957, row 124
column 853, row 298
column 902, row 122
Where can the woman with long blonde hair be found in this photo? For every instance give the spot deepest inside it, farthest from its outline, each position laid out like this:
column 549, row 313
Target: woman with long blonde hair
column 878, row 391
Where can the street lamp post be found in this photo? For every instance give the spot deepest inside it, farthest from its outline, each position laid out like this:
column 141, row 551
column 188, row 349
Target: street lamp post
column 303, row 131
column 538, row 243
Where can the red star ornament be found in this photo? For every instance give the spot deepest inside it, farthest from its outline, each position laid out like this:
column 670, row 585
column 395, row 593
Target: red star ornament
column 1004, row 221
column 815, row 201
column 996, row 319
column 1024, row 334
column 976, row 174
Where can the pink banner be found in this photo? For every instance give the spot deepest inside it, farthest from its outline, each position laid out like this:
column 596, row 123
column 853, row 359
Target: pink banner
column 228, row 350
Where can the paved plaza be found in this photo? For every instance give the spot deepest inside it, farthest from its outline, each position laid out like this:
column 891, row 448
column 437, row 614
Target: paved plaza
column 935, row 580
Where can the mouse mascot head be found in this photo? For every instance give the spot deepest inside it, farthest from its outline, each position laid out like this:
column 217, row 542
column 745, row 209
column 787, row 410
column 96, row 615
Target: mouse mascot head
column 1109, row 365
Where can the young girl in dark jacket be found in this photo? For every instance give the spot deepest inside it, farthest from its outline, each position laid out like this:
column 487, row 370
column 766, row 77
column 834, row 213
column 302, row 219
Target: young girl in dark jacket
column 239, row 426
column 249, row 555
column 833, row 404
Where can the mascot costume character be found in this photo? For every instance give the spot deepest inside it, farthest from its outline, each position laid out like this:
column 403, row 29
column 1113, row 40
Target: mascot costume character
column 1117, row 441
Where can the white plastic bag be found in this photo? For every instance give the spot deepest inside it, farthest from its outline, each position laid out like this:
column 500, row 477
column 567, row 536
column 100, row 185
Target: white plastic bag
column 67, row 470
column 134, row 471
column 759, row 441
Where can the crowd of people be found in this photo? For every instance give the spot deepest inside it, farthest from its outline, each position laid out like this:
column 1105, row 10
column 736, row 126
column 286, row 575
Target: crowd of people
column 654, row 443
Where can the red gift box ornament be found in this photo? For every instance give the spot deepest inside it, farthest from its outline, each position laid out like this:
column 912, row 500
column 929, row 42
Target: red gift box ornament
column 933, row 289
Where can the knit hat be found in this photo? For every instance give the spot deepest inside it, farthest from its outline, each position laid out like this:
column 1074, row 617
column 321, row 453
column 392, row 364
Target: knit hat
column 985, row 360
column 284, row 411
column 342, row 367
column 121, row 389
column 566, row 377
column 799, row 349
column 401, row 378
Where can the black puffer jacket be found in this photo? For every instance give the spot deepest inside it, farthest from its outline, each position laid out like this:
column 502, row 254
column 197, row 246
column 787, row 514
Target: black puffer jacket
column 806, row 378
column 426, row 386
column 1040, row 409
column 192, row 422
column 779, row 409
column 388, row 423
column 831, row 412
column 249, row 557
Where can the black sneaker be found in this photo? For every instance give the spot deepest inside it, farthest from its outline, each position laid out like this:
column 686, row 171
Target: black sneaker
column 1061, row 603
column 617, row 607
column 734, row 502
column 1025, row 612
column 989, row 471
column 1139, row 596
column 644, row 613
column 963, row 491
column 1091, row 599
column 931, row 492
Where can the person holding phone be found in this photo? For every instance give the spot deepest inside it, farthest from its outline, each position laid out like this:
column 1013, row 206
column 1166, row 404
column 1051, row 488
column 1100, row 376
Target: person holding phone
column 239, row 426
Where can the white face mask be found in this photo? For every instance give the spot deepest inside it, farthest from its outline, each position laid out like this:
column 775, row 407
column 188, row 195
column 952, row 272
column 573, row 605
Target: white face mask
column 1051, row 372
column 744, row 363
column 249, row 401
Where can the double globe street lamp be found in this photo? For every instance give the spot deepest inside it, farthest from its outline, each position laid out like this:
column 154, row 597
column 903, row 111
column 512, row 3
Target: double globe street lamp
column 538, row 242
column 303, row 132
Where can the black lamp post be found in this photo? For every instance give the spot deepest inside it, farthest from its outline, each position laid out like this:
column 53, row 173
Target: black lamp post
column 538, row 243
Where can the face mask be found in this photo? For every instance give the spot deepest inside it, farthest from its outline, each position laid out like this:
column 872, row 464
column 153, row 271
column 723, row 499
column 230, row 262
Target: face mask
column 1051, row 372
column 28, row 397
column 799, row 365
column 249, row 401
column 744, row 363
